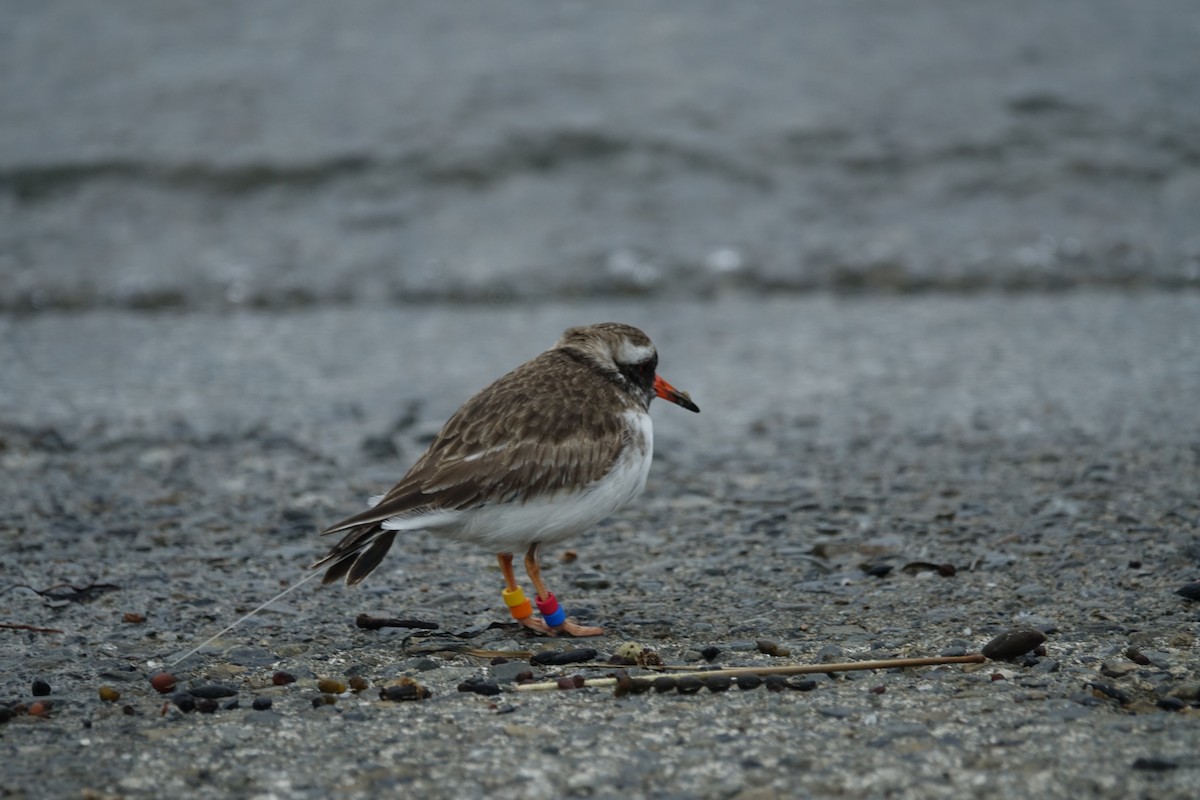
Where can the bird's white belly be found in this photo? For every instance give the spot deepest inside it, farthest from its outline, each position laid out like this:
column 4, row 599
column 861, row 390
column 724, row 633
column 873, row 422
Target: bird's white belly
column 513, row 526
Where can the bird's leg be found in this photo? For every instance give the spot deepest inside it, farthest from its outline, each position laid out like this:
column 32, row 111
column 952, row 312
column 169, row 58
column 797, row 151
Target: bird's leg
column 555, row 618
column 514, row 598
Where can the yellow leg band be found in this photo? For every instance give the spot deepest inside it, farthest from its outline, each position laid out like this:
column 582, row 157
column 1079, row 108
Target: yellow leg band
column 518, row 606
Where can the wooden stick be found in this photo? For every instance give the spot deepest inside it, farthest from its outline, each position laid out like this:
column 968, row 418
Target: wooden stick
column 791, row 669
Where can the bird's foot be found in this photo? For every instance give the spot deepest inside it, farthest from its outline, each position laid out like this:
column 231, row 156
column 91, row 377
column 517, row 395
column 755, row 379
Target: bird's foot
column 569, row 628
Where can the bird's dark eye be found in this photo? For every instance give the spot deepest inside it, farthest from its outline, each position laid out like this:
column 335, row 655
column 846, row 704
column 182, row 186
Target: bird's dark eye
column 642, row 373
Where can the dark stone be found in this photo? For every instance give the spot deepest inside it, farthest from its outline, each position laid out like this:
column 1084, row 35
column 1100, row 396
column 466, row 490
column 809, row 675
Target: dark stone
column 1189, row 591
column 480, row 686
column 40, row 688
column 560, row 657
column 1013, row 643
column 261, row 703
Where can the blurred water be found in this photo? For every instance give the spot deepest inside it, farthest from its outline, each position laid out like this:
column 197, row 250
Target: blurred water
column 289, row 153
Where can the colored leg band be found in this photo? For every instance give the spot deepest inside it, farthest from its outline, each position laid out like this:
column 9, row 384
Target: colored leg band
column 518, row 606
column 551, row 613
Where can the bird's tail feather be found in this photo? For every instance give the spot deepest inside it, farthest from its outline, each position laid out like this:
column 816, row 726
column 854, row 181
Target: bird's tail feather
column 357, row 555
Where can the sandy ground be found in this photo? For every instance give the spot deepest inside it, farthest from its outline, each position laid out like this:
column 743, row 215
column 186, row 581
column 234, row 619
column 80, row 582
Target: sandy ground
column 930, row 271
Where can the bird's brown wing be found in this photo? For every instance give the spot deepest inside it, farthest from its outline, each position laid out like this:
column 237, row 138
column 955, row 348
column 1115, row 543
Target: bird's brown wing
column 540, row 429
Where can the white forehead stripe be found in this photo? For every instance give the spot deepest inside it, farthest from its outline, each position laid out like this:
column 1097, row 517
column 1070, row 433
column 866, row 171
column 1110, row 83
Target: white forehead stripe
column 630, row 353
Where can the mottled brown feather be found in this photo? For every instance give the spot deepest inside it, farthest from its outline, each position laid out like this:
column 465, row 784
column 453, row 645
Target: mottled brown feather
column 548, row 426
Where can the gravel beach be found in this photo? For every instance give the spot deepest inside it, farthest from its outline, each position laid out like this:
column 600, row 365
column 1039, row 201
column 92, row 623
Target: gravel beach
column 931, row 275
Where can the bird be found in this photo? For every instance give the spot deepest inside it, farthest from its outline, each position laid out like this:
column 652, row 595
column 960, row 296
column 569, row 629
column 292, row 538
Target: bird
column 540, row 455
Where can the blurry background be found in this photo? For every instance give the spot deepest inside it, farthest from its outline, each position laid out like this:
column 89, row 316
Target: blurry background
column 199, row 154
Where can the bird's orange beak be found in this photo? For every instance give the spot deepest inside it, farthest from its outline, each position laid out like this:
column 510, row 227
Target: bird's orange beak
column 668, row 392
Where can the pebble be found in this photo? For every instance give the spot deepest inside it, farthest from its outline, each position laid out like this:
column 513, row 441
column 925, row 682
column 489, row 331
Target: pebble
column 836, row 712
column 592, row 580
column 40, row 688
column 710, row 653
column 749, row 681
column 184, row 702
column 1110, row 692
column 480, row 686
column 330, row 686
column 1117, row 669
column 1171, row 704
column 1157, row 658
column 212, row 691
column 830, row 654
column 109, row 694
column 1189, row 692
column 358, row 684
column 664, row 683
column 1190, row 591
column 283, row 678
column 688, row 685
column 770, row 648
column 560, row 657
column 718, row 683
column 406, row 690
column 261, row 703
column 1012, row 643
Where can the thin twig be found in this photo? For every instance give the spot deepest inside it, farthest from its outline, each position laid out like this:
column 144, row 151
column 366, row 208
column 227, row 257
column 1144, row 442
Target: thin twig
column 791, row 669
column 15, row 627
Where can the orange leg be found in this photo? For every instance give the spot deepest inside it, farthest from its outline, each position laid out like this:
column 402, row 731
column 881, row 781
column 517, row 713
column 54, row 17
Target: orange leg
column 535, row 574
column 513, row 592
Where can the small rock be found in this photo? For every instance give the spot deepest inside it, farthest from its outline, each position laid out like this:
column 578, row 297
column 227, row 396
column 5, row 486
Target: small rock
column 663, row 683
column 1155, row 764
column 1171, row 704
column 184, row 702
column 261, row 704
column 830, row 654
column 282, row 678
column 718, row 683
column 709, row 653
column 40, row 688
column 163, row 682
column 1190, row 591
column 109, row 694
column 480, row 686
column 688, row 685
column 748, row 681
column 1111, row 692
column 1012, row 643
column 212, row 691
column 836, row 712
column 1117, row 669
column 1157, row 658
column 560, row 657
column 1189, row 692
column 770, row 648
column 592, row 580
column 330, row 686
column 407, row 690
